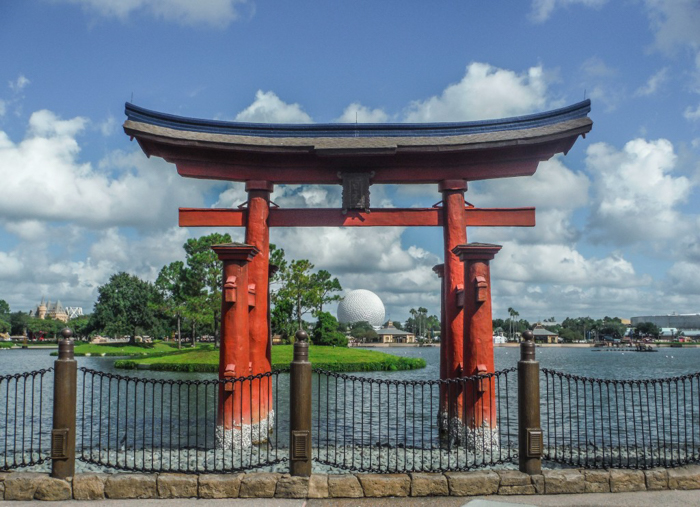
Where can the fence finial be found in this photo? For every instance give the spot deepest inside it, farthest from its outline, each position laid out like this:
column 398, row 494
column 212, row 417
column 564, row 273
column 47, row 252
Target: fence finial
column 527, row 347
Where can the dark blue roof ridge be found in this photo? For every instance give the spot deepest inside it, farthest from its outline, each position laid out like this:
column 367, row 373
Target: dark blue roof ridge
column 139, row 114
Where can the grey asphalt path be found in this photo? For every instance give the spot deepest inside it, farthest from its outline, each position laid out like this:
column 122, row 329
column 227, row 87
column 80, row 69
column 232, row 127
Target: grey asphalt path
column 640, row 499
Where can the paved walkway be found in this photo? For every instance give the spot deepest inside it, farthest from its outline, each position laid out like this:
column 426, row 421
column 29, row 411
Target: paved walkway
column 640, row 499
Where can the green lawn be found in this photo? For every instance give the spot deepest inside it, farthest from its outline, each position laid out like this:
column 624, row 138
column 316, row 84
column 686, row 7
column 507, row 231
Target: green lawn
column 6, row 345
column 327, row 358
column 159, row 348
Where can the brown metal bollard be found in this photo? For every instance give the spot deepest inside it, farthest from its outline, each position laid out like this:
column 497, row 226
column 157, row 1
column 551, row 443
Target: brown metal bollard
column 530, row 440
column 64, row 403
column 300, row 408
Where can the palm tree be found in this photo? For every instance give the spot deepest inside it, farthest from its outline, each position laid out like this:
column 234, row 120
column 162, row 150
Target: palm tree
column 512, row 314
column 422, row 315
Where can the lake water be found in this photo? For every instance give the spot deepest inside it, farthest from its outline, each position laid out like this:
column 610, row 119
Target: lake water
column 349, row 410
column 668, row 362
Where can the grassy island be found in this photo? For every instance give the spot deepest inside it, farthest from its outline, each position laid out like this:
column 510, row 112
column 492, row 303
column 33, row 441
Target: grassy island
column 339, row 359
column 157, row 348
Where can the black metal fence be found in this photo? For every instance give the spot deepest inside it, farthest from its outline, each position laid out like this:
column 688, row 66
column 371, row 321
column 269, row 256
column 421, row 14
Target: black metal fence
column 366, row 424
column 150, row 425
column 359, row 423
column 25, row 405
column 596, row 423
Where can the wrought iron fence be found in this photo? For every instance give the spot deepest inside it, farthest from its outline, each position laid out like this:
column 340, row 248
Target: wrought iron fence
column 385, row 426
column 160, row 425
column 597, row 423
column 25, row 407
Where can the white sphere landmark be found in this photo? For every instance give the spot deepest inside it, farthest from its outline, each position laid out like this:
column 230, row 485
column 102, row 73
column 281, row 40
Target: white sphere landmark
column 361, row 305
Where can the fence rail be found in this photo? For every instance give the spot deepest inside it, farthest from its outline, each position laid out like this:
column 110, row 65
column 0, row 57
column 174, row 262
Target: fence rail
column 150, row 425
column 598, row 423
column 25, row 401
column 385, row 426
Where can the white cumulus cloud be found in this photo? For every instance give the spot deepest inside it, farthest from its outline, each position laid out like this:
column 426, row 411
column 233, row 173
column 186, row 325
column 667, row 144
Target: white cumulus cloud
column 636, row 194
column 218, row 13
column 356, row 112
column 674, row 22
column 692, row 114
column 19, row 84
column 543, row 9
column 269, row 108
column 484, row 92
column 653, row 83
column 45, row 180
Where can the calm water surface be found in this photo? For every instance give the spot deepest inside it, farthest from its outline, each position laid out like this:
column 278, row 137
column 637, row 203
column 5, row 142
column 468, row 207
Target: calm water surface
column 668, row 362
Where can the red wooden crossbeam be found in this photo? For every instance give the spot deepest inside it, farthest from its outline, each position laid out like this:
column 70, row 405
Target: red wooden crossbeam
column 332, row 217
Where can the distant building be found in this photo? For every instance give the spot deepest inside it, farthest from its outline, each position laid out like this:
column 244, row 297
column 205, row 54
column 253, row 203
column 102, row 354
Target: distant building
column 390, row 334
column 682, row 322
column 542, row 335
column 50, row 310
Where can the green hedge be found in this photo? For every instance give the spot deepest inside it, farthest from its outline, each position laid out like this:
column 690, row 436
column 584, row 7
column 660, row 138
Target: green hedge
column 393, row 364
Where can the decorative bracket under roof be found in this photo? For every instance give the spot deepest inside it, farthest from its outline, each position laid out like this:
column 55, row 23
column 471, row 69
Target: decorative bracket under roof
column 356, row 190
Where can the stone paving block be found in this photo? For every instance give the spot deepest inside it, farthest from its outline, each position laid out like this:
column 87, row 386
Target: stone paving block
column 344, row 486
column 318, row 486
column 538, row 483
column 259, row 485
column 558, row 482
column 219, row 485
column 52, row 490
column 473, row 483
column 423, row 484
column 597, row 481
column 292, row 487
column 627, row 480
column 2, row 490
column 656, row 479
column 89, row 486
column 513, row 478
column 687, row 477
column 177, row 486
column 22, row 485
column 528, row 489
column 123, row 486
column 384, row 485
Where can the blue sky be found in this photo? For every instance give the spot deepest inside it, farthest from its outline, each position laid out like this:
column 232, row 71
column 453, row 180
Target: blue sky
column 618, row 217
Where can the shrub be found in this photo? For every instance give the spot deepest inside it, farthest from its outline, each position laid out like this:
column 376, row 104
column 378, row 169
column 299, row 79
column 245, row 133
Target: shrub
column 326, row 332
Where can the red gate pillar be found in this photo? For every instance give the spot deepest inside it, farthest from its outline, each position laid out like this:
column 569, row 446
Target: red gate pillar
column 455, row 233
column 439, row 270
column 234, row 420
column 480, row 396
column 257, row 234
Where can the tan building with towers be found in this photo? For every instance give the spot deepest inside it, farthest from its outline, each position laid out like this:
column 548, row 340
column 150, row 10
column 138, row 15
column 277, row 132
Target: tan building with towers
column 50, row 310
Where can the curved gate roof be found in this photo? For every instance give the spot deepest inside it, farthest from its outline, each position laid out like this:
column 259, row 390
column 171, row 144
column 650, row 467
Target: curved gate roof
column 397, row 153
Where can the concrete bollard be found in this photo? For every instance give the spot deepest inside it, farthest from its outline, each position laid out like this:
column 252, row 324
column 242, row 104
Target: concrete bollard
column 300, row 408
column 64, row 405
column 530, row 441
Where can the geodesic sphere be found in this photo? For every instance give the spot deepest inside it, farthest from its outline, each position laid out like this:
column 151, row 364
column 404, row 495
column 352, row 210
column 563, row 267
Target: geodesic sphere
column 360, row 305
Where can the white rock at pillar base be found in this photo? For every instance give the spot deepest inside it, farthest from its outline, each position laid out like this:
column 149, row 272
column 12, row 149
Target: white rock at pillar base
column 246, row 435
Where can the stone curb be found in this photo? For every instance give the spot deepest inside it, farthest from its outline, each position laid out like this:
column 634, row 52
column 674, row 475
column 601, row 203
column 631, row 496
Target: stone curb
column 37, row 486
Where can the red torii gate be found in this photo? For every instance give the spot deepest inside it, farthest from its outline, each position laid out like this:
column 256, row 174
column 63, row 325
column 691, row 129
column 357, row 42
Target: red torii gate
column 357, row 156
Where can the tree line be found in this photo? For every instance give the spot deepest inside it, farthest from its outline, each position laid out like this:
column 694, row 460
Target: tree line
column 185, row 300
column 576, row 329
